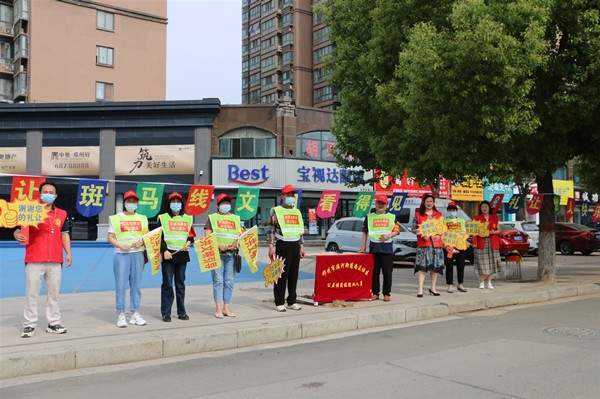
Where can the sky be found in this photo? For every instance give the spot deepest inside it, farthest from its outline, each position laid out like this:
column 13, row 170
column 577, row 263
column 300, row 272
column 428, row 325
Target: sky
column 204, row 42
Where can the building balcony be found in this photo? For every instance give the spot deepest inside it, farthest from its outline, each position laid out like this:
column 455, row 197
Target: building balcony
column 20, row 10
column 6, row 29
column 6, row 66
column 21, row 47
column 20, row 86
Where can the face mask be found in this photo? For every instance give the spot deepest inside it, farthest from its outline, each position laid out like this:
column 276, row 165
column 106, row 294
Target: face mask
column 175, row 206
column 289, row 201
column 131, row 206
column 224, row 208
column 48, row 198
column 452, row 214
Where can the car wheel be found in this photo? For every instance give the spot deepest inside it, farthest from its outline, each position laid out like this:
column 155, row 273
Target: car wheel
column 586, row 253
column 333, row 247
column 566, row 248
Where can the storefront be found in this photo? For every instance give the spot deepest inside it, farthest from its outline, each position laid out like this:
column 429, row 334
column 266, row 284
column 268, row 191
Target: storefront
column 308, row 176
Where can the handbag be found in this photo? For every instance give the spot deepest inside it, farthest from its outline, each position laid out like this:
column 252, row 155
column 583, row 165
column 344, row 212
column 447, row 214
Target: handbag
column 237, row 262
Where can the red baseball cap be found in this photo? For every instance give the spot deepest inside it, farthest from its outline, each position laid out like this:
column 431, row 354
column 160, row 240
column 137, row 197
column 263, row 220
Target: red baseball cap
column 288, row 189
column 381, row 198
column 175, row 195
column 130, row 194
column 223, row 197
column 452, row 205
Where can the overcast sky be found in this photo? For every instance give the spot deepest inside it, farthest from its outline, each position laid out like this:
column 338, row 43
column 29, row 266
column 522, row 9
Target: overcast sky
column 204, row 50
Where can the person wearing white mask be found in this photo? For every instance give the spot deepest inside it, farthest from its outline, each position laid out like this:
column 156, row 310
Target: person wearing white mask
column 125, row 232
column 43, row 258
column 177, row 237
column 227, row 228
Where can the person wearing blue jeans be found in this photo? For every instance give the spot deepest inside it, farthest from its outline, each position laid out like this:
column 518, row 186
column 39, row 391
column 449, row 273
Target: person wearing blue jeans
column 128, row 270
column 223, row 283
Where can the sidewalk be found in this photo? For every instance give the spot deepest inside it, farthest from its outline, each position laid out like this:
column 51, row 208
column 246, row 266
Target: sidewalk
column 94, row 340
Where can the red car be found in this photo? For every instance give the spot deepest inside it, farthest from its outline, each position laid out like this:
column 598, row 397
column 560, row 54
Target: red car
column 513, row 240
column 573, row 237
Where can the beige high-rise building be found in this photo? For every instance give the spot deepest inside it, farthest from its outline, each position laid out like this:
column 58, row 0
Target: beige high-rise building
column 284, row 45
column 82, row 50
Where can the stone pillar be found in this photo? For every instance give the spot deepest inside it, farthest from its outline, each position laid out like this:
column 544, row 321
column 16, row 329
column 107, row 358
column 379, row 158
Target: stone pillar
column 34, row 140
column 108, row 139
column 202, row 148
column 286, row 128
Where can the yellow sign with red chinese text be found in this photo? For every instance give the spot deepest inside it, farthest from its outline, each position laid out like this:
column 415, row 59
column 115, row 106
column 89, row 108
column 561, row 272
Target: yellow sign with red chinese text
column 207, row 250
column 22, row 213
column 476, row 228
column 152, row 243
column 469, row 189
column 273, row 271
column 455, row 239
column 432, row 227
column 249, row 248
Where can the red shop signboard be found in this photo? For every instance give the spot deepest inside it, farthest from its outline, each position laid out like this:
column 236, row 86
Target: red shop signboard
column 346, row 277
column 406, row 184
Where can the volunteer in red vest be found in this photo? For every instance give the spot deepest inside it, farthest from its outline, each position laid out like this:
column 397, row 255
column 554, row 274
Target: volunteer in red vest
column 286, row 241
column 125, row 232
column 44, row 258
column 453, row 255
column 379, row 228
column 177, row 237
column 227, row 228
column 430, row 250
column 487, row 249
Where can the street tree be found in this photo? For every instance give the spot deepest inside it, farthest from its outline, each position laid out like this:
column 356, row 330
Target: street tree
column 468, row 87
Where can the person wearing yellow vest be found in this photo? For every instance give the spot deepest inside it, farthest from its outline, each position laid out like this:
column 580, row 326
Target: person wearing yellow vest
column 177, row 237
column 379, row 229
column 286, row 241
column 228, row 229
column 125, row 232
column 453, row 255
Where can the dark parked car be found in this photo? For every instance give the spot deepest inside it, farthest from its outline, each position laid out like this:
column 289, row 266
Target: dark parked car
column 573, row 237
column 513, row 240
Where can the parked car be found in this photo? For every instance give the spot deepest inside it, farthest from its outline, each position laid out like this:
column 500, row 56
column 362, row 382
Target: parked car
column 574, row 237
column 512, row 240
column 346, row 233
column 531, row 229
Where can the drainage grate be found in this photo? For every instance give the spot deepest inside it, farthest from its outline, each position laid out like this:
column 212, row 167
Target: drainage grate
column 573, row 332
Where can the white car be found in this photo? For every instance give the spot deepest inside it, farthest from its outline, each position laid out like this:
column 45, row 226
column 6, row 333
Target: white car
column 529, row 228
column 345, row 236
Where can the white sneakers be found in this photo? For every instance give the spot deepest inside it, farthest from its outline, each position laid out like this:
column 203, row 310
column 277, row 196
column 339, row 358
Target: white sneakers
column 481, row 285
column 121, row 320
column 135, row 320
column 294, row 306
column 280, row 308
column 488, row 285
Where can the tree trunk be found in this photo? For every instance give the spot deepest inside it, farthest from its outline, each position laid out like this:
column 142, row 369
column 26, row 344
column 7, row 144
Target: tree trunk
column 547, row 244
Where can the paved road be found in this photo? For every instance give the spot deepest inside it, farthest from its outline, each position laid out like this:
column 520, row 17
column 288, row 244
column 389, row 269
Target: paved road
column 533, row 352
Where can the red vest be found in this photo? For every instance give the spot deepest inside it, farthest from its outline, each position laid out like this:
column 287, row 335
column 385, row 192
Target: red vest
column 423, row 242
column 479, row 242
column 45, row 241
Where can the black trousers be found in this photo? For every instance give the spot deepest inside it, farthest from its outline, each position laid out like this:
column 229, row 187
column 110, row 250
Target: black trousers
column 383, row 263
column 290, row 251
column 170, row 271
column 459, row 260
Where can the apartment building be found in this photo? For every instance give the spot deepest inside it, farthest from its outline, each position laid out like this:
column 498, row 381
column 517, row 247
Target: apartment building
column 284, row 48
column 82, row 50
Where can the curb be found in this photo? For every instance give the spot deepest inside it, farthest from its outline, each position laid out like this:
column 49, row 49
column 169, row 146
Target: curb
column 116, row 350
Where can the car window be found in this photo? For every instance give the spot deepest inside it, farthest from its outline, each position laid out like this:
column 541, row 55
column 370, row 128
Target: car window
column 530, row 227
column 345, row 225
column 505, row 227
column 358, row 225
column 404, row 216
column 511, row 225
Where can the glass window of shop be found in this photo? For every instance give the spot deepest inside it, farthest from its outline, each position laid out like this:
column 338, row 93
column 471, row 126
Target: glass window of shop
column 316, row 145
column 247, row 142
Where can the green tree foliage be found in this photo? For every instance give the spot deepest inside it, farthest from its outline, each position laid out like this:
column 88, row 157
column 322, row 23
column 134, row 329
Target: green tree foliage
column 468, row 87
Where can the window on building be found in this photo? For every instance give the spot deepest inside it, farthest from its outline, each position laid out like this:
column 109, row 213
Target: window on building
column 269, row 99
column 255, row 12
column 254, row 79
column 254, row 62
column 254, row 29
column 247, row 142
column 104, row 56
column 268, row 7
column 254, row 45
column 317, row 18
column 269, row 25
column 288, row 57
column 244, row 66
column 321, row 35
column 316, row 145
column 269, row 63
column 6, row 17
column 269, row 44
column 323, row 94
column 288, row 38
column 104, row 91
column 255, row 96
column 105, row 21
column 287, row 19
column 287, row 77
column 269, row 81
column 288, row 93
column 320, row 54
column 321, row 74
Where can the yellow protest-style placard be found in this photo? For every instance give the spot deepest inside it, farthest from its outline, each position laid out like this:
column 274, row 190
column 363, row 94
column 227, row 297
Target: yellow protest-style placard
column 23, row 213
column 207, row 250
column 476, row 228
column 248, row 243
column 152, row 243
column 273, row 271
column 455, row 239
column 432, row 227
